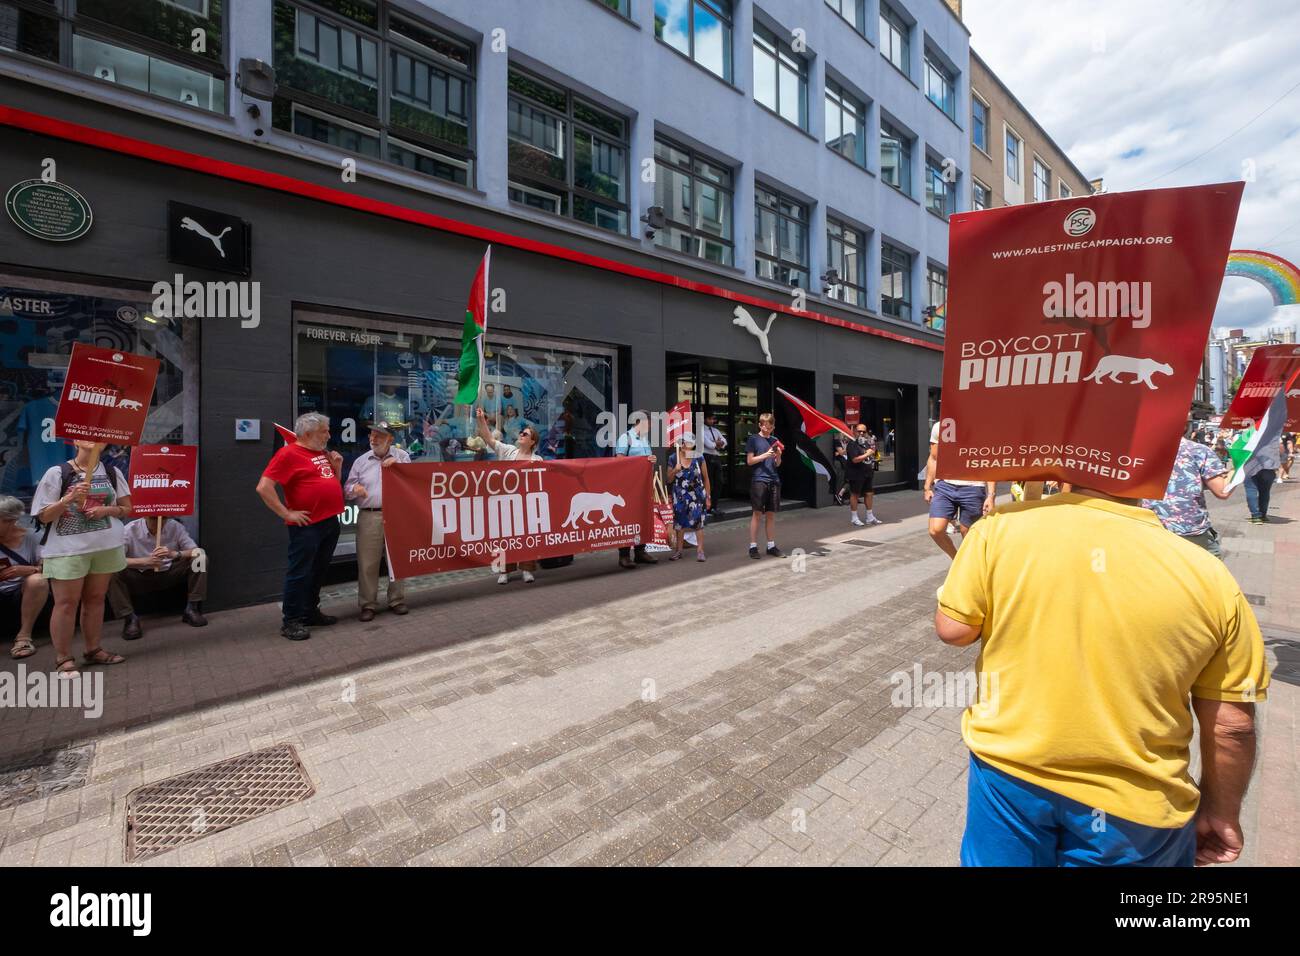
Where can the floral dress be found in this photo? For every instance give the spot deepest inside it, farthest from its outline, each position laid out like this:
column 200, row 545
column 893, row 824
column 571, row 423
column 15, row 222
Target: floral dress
column 688, row 494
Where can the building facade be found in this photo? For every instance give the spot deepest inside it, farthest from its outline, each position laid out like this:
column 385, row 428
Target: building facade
column 699, row 200
column 1013, row 159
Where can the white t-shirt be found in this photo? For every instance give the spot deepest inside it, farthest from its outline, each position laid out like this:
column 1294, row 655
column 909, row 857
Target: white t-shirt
column 73, row 532
column 508, row 452
column 934, row 440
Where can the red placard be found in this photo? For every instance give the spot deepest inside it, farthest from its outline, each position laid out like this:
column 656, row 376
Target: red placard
column 106, row 395
column 677, row 422
column 442, row 516
column 1272, row 368
column 1077, row 332
column 162, row 479
column 852, row 409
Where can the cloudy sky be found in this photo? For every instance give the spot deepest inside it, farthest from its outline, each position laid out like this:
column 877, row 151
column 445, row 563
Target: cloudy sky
column 1156, row 93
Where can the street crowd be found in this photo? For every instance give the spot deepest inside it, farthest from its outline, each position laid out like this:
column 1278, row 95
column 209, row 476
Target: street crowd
column 1102, row 731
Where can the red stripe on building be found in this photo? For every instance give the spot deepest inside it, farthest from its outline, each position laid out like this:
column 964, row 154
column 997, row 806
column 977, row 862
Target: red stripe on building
column 141, row 149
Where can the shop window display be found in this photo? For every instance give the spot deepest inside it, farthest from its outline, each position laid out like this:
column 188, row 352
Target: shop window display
column 39, row 322
column 407, row 378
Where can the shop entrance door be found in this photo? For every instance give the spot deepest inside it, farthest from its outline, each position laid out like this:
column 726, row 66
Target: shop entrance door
column 731, row 391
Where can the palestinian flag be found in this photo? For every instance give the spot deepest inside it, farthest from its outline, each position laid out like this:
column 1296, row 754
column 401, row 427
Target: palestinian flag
column 470, row 374
column 814, row 422
column 290, row 438
column 812, row 457
column 1268, row 435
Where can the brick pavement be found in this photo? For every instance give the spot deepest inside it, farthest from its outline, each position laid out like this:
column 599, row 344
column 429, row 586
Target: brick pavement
column 736, row 712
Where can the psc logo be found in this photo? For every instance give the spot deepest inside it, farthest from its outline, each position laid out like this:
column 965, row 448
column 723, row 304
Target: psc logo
column 1080, row 222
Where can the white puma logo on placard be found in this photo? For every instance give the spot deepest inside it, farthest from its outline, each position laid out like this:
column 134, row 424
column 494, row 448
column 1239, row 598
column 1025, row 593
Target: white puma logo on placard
column 584, row 503
column 746, row 322
column 1141, row 368
column 192, row 226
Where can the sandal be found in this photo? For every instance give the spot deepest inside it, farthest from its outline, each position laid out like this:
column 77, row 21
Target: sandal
column 23, row 647
column 101, row 656
column 675, row 556
column 67, row 672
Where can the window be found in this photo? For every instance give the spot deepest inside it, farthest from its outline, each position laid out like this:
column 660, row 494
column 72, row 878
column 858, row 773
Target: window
column 853, row 11
column 1064, row 189
column 404, row 96
column 939, row 86
column 106, row 316
column 846, row 250
column 696, row 196
column 894, row 33
column 1042, row 181
column 780, row 78
column 980, row 195
column 618, row 6
column 780, row 238
column 1013, row 157
column 150, row 74
column 979, row 124
column 940, row 187
column 895, row 282
column 566, row 156
column 701, row 29
column 337, row 133
column 336, row 48
column 143, row 45
column 896, row 158
column 846, row 123
column 29, row 32
column 936, row 295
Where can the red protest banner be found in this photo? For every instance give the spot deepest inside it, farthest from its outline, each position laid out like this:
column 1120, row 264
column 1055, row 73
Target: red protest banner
column 162, row 479
column 1272, row 368
column 1076, row 335
column 446, row 516
column 106, row 395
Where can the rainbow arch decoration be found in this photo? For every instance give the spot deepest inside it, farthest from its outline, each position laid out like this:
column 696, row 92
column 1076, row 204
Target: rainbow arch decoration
column 1280, row 277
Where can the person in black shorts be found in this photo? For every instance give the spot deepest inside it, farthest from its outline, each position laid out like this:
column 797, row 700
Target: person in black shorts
column 763, row 454
column 861, row 473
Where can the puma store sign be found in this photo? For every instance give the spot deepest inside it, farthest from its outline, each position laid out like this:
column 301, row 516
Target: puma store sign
column 206, row 239
column 1077, row 360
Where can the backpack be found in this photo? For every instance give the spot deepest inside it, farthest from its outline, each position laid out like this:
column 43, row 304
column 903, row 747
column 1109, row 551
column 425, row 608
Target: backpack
column 67, row 475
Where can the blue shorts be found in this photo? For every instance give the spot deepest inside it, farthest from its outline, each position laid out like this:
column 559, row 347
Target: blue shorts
column 964, row 502
column 1010, row 822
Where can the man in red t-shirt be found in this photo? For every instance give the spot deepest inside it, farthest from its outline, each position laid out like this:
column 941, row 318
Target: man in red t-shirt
column 313, row 499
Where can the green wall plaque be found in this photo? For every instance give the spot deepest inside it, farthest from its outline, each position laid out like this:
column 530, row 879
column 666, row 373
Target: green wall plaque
column 50, row 211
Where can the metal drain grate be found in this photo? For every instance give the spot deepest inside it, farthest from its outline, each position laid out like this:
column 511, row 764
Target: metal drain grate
column 863, row 543
column 162, row 816
column 1256, row 599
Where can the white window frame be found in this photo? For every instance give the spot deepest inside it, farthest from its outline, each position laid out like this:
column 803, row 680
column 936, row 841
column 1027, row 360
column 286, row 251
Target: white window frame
column 1018, row 178
column 988, row 121
column 1047, row 192
column 976, row 181
column 1062, row 190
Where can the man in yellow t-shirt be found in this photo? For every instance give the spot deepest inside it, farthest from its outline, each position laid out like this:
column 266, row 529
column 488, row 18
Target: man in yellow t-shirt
column 1096, row 627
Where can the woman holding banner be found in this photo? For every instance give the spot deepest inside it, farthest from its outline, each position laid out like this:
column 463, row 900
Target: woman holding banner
column 525, row 450
column 81, row 505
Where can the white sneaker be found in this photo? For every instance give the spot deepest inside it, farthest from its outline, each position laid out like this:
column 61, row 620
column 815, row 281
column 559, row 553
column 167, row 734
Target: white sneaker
column 528, row 577
column 872, row 519
column 857, row 522
column 503, row 578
